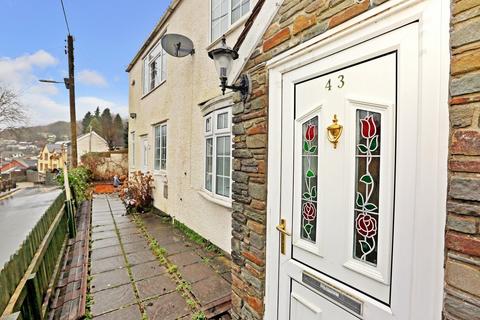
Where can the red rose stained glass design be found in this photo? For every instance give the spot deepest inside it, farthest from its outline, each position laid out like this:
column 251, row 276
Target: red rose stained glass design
column 309, row 180
column 367, row 186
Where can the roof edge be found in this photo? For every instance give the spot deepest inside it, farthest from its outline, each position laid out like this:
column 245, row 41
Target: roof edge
column 171, row 7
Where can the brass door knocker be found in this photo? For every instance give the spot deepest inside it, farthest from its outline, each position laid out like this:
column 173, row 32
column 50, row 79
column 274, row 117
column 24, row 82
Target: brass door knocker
column 334, row 131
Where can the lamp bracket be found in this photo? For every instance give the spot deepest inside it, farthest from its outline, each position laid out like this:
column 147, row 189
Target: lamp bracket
column 243, row 87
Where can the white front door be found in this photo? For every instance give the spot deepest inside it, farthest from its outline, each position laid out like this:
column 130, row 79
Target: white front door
column 144, row 144
column 348, row 157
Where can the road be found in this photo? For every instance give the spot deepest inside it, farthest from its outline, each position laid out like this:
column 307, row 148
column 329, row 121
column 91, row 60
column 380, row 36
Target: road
column 19, row 214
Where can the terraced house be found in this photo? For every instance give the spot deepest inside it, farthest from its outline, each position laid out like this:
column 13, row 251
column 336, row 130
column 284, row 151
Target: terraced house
column 344, row 181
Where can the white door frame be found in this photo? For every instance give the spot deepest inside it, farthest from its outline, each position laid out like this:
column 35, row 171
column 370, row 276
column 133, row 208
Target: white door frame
column 144, row 154
column 426, row 280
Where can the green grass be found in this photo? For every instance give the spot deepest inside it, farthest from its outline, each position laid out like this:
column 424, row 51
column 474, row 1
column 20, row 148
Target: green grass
column 199, row 315
column 198, row 239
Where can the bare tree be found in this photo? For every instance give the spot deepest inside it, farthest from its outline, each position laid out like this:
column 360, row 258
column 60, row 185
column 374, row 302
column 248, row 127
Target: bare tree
column 12, row 112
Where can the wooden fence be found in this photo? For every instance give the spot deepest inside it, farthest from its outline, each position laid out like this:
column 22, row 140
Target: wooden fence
column 26, row 280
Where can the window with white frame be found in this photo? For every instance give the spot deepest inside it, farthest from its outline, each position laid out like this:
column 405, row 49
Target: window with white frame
column 218, row 145
column 154, row 68
column 132, row 138
column 225, row 13
column 160, row 157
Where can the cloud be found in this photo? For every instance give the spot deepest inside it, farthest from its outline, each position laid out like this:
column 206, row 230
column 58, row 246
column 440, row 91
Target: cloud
column 46, row 103
column 17, row 73
column 91, row 78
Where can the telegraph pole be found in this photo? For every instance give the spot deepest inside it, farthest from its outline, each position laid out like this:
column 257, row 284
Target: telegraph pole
column 71, row 87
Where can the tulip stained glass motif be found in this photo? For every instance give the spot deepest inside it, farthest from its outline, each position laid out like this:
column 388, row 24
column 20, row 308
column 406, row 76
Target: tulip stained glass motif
column 368, row 134
column 309, row 179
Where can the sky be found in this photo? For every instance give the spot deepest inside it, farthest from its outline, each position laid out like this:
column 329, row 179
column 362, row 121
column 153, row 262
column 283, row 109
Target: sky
column 107, row 34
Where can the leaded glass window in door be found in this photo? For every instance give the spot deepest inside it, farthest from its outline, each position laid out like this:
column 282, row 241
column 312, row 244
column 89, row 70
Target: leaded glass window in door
column 367, row 184
column 309, row 203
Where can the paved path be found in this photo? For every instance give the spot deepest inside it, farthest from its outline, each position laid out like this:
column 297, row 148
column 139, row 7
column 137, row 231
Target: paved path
column 129, row 281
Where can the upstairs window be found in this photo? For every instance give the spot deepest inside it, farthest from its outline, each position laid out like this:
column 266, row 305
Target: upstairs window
column 225, row 13
column 218, row 145
column 154, row 68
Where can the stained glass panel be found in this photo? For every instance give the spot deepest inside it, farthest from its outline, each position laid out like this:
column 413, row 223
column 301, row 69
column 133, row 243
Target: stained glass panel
column 309, row 180
column 367, row 177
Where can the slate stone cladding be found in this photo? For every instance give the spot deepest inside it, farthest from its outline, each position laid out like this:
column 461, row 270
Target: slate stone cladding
column 462, row 238
column 295, row 22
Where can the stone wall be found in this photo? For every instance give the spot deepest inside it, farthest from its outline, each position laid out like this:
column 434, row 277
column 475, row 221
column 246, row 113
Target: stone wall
column 296, row 21
column 462, row 261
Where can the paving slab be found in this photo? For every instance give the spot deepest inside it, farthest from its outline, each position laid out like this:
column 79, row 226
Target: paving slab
column 147, row 270
column 98, row 235
column 185, row 258
column 135, row 246
column 106, row 252
column 107, row 264
column 104, row 228
column 155, row 286
column 129, row 238
column 176, row 247
column 140, row 257
column 113, row 299
column 105, row 243
column 196, row 272
column 211, row 289
column 167, row 307
column 109, row 279
column 127, row 313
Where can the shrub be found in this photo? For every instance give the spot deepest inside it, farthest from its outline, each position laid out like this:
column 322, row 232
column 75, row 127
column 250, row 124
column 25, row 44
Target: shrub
column 136, row 192
column 78, row 179
column 102, row 165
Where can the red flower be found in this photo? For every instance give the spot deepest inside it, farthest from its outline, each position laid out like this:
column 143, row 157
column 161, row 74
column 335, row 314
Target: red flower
column 310, row 134
column 366, row 225
column 309, row 211
column 369, row 128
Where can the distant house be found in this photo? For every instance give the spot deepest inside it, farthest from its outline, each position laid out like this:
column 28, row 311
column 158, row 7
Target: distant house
column 17, row 165
column 52, row 156
column 88, row 142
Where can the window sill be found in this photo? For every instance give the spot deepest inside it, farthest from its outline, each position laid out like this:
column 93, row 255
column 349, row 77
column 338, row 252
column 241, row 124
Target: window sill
column 221, row 202
column 149, row 92
column 230, row 30
column 160, row 173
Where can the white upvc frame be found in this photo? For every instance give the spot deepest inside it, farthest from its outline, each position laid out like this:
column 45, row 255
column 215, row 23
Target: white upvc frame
column 214, row 133
column 132, row 140
column 231, row 25
column 431, row 179
column 160, row 170
column 162, row 56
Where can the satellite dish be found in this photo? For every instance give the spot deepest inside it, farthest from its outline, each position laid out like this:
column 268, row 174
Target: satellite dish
column 177, row 45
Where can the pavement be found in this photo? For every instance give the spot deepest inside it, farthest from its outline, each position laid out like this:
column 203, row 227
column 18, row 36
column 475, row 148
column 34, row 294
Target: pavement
column 142, row 267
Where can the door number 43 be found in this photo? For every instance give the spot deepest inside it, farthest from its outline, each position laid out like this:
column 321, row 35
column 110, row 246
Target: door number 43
column 340, row 83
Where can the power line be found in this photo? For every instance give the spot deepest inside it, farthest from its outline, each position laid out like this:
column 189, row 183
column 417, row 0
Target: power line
column 65, row 16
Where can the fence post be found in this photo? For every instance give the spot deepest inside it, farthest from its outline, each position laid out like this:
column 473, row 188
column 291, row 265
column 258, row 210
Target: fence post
column 72, row 229
column 14, row 316
column 34, row 296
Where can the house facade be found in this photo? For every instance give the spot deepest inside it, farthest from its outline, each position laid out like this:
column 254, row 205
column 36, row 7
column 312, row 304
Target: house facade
column 52, row 157
column 180, row 126
column 90, row 142
column 355, row 159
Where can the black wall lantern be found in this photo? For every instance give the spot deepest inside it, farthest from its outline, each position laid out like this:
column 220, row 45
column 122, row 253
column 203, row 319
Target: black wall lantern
column 223, row 58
